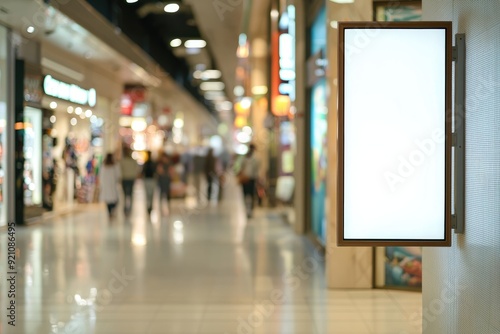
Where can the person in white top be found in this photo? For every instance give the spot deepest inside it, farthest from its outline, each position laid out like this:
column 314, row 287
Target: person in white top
column 109, row 176
column 250, row 170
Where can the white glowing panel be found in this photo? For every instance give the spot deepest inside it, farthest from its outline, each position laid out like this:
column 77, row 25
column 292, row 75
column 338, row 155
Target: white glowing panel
column 394, row 130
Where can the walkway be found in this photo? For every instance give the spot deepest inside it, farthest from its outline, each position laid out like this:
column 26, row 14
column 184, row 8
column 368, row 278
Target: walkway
column 199, row 269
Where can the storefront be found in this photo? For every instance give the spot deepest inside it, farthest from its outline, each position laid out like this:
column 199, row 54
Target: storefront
column 318, row 125
column 281, row 141
column 284, row 105
column 73, row 139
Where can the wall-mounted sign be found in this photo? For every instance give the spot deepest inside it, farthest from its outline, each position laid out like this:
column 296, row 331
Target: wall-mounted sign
column 394, row 134
column 286, row 49
column 69, row 92
column 33, row 88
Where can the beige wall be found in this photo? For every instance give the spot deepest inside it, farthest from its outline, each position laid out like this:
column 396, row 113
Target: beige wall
column 346, row 267
column 461, row 284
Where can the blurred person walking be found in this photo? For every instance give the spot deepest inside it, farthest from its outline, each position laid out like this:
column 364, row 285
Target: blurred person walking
column 248, row 176
column 197, row 170
column 164, row 178
column 129, row 171
column 210, row 170
column 148, row 175
column 109, row 176
column 224, row 160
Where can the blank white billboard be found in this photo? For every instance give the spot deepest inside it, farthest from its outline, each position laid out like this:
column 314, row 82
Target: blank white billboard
column 394, row 134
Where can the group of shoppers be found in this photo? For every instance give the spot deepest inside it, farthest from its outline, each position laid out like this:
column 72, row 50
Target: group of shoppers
column 158, row 175
column 154, row 174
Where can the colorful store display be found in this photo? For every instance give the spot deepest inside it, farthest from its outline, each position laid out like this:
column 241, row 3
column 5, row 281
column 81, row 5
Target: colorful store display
column 403, row 267
column 318, row 130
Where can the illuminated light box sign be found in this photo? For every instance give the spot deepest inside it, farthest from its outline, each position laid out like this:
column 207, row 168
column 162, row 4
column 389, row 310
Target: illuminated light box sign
column 69, row 92
column 394, row 134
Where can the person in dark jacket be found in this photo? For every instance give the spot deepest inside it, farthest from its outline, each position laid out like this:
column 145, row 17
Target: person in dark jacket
column 210, row 171
column 163, row 170
column 148, row 174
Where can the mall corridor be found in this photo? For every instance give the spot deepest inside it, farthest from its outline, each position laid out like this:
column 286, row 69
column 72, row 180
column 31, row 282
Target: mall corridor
column 200, row 269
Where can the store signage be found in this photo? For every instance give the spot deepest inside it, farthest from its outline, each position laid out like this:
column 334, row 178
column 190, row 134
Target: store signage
column 287, row 54
column 131, row 97
column 69, row 92
column 394, row 134
column 283, row 64
column 33, row 88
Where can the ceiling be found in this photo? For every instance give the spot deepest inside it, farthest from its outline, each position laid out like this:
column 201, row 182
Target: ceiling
column 146, row 24
column 153, row 29
column 59, row 30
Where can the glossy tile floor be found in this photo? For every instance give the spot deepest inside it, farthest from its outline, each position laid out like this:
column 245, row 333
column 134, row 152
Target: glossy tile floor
column 202, row 268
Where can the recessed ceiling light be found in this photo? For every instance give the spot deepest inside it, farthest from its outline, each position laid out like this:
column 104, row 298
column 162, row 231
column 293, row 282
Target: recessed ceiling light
column 343, row 1
column 212, row 86
column 211, row 74
column 195, row 43
column 259, row 90
column 175, row 43
column 246, row 102
column 238, row 91
column 213, row 95
column 132, row 1
column 226, row 105
column 172, row 8
column 197, row 74
column 30, row 29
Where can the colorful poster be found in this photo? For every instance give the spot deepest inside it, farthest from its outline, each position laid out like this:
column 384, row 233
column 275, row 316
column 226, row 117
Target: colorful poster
column 403, row 267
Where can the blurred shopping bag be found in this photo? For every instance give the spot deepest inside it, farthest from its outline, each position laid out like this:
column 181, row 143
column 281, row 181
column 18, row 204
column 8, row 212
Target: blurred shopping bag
column 285, row 187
